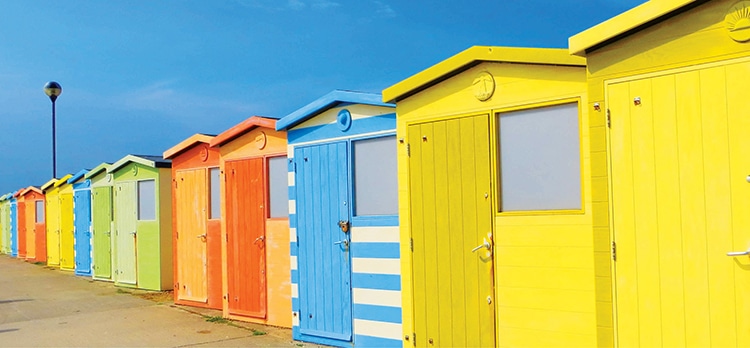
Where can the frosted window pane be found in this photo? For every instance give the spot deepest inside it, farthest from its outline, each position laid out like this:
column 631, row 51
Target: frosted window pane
column 278, row 187
column 375, row 177
column 146, row 200
column 214, row 177
column 540, row 161
column 39, row 212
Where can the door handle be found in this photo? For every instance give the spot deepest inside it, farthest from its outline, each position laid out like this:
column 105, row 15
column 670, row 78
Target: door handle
column 345, row 242
column 739, row 253
column 133, row 233
column 485, row 245
column 201, row 236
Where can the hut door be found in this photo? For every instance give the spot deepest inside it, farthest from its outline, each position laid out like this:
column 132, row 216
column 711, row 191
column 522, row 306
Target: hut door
column 30, row 224
column 680, row 202
column 322, row 191
column 52, row 209
column 125, row 230
column 82, row 212
column 102, row 224
column 191, row 191
column 451, row 226
column 246, row 241
column 67, row 253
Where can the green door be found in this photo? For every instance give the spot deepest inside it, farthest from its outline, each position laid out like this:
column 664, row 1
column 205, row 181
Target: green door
column 125, row 232
column 102, row 224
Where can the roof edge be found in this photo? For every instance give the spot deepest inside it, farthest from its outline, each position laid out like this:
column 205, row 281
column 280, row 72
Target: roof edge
column 98, row 169
column 138, row 159
column 243, row 127
column 328, row 101
column 48, row 184
column 187, row 144
column 77, row 176
column 63, row 180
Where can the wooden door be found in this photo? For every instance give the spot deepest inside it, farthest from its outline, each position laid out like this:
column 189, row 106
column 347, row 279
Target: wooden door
column 125, row 232
column 52, row 211
column 246, row 253
column 82, row 222
column 40, row 230
column 322, row 195
column 67, row 253
column 451, row 217
column 14, row 228
column 22, row 229
column 30, row 224
column 102, row 229
column 680, row 155
column 191, row 204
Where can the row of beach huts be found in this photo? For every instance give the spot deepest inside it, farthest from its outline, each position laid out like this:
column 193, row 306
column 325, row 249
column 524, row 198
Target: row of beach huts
column 591, row 196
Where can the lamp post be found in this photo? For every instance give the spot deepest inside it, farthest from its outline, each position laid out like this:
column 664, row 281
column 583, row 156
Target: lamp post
column 53, row 90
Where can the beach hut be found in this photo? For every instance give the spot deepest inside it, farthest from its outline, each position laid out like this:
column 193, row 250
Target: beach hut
column 4, row 225
column 82, row 222
column 143, row 222
column 31, row 220
column 495, row 200
column 255, row 222
column 343, row 211
column 20, row 226
column 196, row 222
column 101, row 221
column 670, row 146
column 13, row 223
column 65, row 214
column 52, row 218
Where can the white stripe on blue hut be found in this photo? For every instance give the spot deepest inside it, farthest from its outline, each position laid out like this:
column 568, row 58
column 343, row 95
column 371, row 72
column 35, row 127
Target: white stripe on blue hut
column 343, row 206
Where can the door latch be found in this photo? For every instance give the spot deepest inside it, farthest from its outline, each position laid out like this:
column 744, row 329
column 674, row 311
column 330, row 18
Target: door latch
column 344, row 242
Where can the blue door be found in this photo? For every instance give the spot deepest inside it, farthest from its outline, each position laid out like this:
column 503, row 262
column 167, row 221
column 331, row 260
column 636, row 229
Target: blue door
column 13, row 228
column 322, row 182
column 82, row 226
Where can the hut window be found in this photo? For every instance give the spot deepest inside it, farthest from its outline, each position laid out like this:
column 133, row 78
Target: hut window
column 39, row 212
column 146, row 200
column 278, row 187
column 214, row 180
column 375, row 177
column 540, row 160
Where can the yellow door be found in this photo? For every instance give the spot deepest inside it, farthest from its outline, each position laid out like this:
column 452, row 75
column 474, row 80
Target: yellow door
column 67, row 252
column 680, row 160
column 191, row 204
column 451, row 218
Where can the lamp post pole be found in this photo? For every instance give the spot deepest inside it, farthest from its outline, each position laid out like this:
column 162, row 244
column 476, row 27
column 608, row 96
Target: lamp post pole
column 53, row 90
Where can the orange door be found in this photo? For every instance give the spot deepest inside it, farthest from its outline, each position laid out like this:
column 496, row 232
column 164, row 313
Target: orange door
column 22, row 229
column 246, row 255
column 29, row 225
column 190, row 206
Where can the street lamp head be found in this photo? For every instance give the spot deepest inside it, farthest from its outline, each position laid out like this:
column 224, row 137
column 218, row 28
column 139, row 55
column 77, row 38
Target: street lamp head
column 53, row 90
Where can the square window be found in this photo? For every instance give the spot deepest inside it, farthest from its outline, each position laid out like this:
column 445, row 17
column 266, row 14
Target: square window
column 278, row 187
column 39, row 212
column 375, row 177
column 147, row 200
column 540, row 159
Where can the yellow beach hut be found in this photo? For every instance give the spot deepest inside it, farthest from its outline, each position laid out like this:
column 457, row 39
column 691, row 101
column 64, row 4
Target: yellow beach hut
column 52, row 216
column 67, row 237
column 669, row 118
column 495, row 201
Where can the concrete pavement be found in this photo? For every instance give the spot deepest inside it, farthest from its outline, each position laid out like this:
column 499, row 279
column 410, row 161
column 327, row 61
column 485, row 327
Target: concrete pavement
column 45, row 307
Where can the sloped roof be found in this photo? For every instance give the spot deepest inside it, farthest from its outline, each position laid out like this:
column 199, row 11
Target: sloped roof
column 63, row 180
column 146, row 160
column 102, row 167
column 472, row 57
column 624, row 23
column 188, row 143
column 49, row 184
column 30, row 189
column 77, row 176
column 242, row 128
column 326, row 102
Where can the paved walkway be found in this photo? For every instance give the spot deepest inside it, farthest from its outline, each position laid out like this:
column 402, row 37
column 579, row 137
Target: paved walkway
column 45, row 307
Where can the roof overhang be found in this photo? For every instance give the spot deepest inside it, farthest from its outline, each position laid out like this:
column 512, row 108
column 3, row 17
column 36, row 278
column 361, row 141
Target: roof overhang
column 146, row 160
column 472, row 57
column 63, row 180
column 49, row 184
column 98, row 169
column 78, row 176
column 624, row 23
column 186, row 144
column 328, row 101
column 242, row 128
column 29, row 190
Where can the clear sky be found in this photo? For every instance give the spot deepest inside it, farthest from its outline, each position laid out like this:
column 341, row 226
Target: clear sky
column 140, row 76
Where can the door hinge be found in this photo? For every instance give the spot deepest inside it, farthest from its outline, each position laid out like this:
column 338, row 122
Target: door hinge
column 411, row 244
column 414, row 338
column 614, row 251
column 609, row 119
column 408, row 150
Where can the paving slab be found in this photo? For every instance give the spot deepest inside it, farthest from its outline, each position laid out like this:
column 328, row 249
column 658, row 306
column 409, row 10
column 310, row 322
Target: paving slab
column 45, row 307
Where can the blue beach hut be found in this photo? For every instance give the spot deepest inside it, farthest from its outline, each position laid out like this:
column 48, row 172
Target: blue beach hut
column 343, row 213
column 13, row 224
column 82, row 222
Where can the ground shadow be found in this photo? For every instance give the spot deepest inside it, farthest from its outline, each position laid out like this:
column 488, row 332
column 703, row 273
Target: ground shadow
column 8, row 330
column 18, row 300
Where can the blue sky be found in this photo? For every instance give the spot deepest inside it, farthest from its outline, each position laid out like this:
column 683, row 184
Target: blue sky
column 140, row 76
